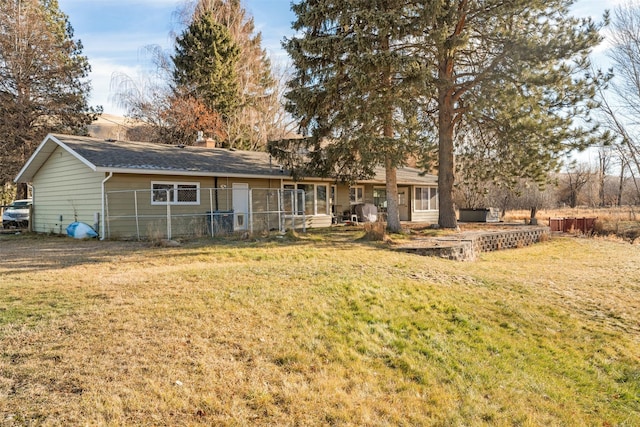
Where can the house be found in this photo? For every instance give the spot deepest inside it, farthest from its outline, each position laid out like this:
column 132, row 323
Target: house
column 134, row 189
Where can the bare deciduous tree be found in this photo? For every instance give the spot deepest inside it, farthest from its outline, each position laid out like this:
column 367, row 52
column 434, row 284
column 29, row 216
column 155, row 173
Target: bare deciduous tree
column 620, row 104
column 576, row 176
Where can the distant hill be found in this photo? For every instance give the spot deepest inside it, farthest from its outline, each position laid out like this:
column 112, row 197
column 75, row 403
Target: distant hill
column 109, row 126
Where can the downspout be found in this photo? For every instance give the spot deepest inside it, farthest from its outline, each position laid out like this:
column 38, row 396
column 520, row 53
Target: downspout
column 102, row 222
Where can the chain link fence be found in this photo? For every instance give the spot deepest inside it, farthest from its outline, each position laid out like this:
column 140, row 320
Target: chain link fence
column 192, row 212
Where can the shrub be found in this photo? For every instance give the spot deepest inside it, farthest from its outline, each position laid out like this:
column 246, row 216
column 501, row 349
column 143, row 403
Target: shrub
column 375, row 231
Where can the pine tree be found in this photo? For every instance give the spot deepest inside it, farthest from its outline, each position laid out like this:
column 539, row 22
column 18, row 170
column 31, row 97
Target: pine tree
column 258, row 99
column 248, row 94
column 43, row 86
column 510, row 81
column 505, row 81
column 205, row 65
column 352, row 91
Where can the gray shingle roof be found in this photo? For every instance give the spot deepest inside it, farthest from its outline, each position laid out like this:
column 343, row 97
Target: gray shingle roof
column 143, row 157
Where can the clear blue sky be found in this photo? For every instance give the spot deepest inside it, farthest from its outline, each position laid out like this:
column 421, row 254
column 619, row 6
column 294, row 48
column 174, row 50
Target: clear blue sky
column 115, row 32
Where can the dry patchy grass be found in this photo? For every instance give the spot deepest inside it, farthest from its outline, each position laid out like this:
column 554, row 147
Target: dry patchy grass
column 323, row 329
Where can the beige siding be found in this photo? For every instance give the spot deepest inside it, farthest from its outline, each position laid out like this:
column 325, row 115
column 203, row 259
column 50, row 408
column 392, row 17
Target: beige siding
column 429, row 217
column 343, row 202
column 368, row 193
column 342, row 199
column 125, row 192
column 318, row 221
column 65, row 188
column 143, row 182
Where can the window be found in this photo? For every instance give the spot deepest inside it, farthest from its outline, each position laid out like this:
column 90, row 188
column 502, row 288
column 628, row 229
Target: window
column 161, row 193
column 288, row 200
column 316, row 199
column 308, row 198
column 175, row 193
column 322, row 204
column 356, row 194
column 380, row 198
column 402, row 197
column 426, row 199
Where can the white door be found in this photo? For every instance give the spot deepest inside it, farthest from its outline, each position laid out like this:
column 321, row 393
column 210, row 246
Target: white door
column 240, row 206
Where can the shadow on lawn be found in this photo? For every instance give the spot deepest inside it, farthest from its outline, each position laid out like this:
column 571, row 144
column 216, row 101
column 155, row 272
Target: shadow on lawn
column 29, row 252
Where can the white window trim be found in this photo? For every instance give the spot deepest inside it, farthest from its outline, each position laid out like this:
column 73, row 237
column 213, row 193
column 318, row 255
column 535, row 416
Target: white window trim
column 315, row 198
column 379, row 187
column 429, row 199
column 356, row 201
column 327, row 199
column 175, row 193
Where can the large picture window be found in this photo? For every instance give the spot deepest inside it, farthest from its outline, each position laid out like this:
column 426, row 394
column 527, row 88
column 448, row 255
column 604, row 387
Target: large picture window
column 175, row 193
column 426, row 199
column 308, row 199
column 316, row 199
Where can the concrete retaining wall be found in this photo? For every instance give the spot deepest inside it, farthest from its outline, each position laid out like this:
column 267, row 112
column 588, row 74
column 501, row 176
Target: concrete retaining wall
column 466, row 246
column 497, row 240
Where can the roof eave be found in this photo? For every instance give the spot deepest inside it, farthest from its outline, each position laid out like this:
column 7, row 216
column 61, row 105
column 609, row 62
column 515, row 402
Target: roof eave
column 40, row 156
column 134, row 171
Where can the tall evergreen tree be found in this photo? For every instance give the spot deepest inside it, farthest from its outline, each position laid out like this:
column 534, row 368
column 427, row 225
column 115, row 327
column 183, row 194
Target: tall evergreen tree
column 353, row 91
column 511, row 79
column 507, row 80
column 43, row 86
column 205, row 65
column 258, row 99
column 250, row 99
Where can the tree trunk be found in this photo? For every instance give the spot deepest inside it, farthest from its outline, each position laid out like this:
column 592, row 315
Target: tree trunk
column 573, row 198
column 393, row 215
column 390, row 169
column 603, row 166
column 446, row 164
column 620, row 184
column 22, row 191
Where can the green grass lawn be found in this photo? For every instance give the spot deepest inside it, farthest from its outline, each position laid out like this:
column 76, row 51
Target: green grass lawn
column 321, row 330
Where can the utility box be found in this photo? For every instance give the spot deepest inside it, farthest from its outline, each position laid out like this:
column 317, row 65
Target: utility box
column 479, row 215
column 219, row 222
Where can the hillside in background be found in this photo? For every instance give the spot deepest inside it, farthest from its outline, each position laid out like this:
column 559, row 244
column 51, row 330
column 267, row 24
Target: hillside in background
column 109, row 126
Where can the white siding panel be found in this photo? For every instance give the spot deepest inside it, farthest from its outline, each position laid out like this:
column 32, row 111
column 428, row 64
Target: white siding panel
column 65, row 188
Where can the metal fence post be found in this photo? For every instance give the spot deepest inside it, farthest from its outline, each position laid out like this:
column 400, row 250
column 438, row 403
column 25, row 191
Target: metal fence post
column 280, row 194
column 135, row 199
column 250, row 210
column 168, row 216
column 304, row 212
column 211, row 212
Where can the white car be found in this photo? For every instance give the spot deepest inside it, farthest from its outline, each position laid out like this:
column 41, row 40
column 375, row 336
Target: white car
column 17, row 214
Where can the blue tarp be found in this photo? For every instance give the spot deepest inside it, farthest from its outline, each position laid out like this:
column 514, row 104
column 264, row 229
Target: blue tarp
column 80, row 230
